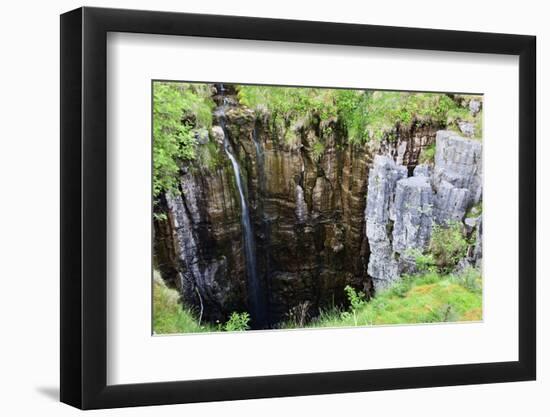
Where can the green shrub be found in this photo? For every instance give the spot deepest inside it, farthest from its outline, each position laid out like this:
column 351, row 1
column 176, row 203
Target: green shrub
column 424, row 262
column 448, row 245
column 357, row 301
column 237, row 322
column 179, row 109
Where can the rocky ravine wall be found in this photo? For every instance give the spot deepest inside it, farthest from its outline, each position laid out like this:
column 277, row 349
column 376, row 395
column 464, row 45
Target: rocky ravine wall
column 401, row 210
column 317, row 228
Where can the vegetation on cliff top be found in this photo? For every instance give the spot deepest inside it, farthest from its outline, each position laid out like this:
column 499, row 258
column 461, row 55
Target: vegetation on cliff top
column 367, row 115
column 181, row 111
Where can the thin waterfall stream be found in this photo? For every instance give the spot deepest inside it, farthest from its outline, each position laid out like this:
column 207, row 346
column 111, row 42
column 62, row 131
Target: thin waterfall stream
column 255, row 296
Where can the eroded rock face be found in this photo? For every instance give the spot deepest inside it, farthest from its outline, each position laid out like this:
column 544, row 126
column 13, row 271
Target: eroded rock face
column 451, row 202
column 458, row 162
column 383, row 177
column 413, row 214
column 401, row 210
column 195, row 258
column 307, row 212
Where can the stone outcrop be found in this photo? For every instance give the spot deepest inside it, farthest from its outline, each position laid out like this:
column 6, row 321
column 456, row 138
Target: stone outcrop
column 401, row 210
column 384, row 175
column 413, row 214
column 458, row 161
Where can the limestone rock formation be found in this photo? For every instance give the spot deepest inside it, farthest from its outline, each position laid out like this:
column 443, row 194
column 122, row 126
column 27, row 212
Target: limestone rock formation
column 413, row 214
column 401, row 210
column 383, row 177
column 458, row 161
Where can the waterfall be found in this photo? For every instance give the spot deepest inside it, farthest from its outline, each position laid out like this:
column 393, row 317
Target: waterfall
column 255, row 296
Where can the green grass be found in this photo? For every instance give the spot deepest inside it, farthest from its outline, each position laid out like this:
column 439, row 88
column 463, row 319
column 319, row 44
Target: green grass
column 429, row 298
column 367, row 115
column 169, row 316
column 427, row 155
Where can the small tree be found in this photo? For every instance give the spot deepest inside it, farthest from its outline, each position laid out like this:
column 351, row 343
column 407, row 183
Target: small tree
column 357, row 301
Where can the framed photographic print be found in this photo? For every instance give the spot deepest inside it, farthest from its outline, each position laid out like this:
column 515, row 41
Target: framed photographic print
column 257, row 208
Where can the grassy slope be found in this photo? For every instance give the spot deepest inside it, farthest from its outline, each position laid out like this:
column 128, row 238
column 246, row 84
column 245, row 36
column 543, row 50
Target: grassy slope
column 424, row 299
column 429, row 298
column 168, row 314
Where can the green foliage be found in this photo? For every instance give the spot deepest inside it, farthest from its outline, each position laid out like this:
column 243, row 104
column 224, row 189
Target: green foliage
column 160, row 216
column 425, row 262
column 318, row 150
column 179, row 110
column 169, row 316
column 469, row 278
column 401, row 288
column 210, row 156
column 448, row 245
column 427, row 155
column 355, row 298
column 357, row 301
column 289, row 102
column 366, row 115
column 237, row 322
column 426, row 298
column 353, row 109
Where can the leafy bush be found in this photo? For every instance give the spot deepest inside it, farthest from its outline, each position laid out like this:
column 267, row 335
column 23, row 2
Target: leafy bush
column 237, row 322
column 179, row 109
column 448, row 245
column 357, row 301
column 424, row 262
column 355, row 298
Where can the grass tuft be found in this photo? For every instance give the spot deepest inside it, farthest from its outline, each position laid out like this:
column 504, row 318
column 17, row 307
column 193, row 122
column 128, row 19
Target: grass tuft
column 169, row 316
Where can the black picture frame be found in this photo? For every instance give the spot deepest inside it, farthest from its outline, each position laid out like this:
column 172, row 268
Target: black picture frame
column 84, row 207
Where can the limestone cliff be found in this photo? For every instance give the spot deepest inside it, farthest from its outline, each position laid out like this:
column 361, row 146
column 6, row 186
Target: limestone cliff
column 401, row 210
